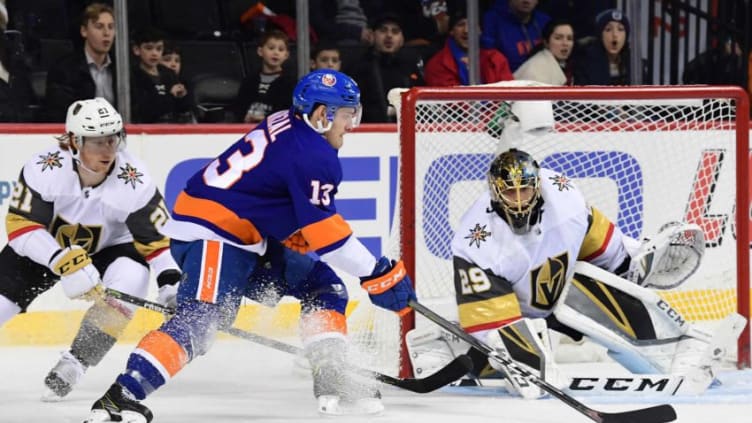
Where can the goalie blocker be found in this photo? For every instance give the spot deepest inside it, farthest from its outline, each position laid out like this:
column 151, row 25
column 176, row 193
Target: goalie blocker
column 640, row 330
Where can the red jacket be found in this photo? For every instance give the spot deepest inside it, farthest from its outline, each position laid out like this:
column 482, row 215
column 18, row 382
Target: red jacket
column 441, row 69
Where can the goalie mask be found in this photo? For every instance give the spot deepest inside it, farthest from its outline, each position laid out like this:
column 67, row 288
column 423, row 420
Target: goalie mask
column 514, row 182
column 94, row 118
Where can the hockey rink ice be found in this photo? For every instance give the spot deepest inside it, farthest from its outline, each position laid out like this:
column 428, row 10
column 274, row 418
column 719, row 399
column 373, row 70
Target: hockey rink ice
column 239, row 381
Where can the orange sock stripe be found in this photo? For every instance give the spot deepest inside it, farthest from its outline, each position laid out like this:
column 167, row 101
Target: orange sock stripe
column 322, row 321
column 208, row 284
column 169, row 354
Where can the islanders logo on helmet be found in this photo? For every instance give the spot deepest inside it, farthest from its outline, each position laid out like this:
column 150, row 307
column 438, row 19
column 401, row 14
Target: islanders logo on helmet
column 328, row 79
column 326, row 87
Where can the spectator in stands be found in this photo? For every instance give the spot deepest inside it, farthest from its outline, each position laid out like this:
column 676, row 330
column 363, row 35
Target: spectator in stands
column 550, row 62
column 580, row 14
column 157, row 96
column 270, row 89
column 342, row 21
column 449, row 67
column 514, row 28
column 16, row 94
column 86, row 73
column 325, row 55
column 172, row 58
column 720, row 65
column 604, row 60
column 429, row 21
column 385, row 66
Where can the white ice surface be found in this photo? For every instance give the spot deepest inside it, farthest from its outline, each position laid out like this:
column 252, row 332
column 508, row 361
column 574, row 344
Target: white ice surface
column 242, row 382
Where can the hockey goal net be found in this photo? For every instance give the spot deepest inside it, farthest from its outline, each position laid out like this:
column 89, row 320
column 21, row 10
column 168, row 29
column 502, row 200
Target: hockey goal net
column 643, row 155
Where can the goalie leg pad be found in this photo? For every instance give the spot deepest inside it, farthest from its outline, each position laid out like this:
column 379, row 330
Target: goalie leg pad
column 527, row 342
column 431, row 348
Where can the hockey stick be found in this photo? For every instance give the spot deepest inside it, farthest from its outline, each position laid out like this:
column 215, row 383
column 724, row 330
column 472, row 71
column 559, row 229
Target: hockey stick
column 655, row 414
column 446, row 375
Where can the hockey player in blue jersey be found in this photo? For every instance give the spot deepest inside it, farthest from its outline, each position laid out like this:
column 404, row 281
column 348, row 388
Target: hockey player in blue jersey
column 270, row 194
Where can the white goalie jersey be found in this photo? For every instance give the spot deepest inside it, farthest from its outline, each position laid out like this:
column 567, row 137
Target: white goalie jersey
column 125, row 207
column 501, row 276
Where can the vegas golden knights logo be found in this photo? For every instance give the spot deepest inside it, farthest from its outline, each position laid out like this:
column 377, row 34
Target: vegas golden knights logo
column 547, row 281
column 76, row 234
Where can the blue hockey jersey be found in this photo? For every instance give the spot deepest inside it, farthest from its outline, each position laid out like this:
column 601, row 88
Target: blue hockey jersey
column 278, row 181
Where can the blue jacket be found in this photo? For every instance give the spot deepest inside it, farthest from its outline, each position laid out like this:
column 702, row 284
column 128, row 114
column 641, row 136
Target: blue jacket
column 504, row 32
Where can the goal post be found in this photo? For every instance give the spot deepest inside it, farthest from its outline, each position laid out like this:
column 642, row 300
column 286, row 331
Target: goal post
column 643, row 155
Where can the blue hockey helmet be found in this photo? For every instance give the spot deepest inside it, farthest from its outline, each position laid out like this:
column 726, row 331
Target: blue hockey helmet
column 328, row 87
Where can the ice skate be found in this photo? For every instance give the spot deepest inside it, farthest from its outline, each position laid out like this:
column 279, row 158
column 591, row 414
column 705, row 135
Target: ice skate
column 61, row 379
column 338, row 392
column 118, row 405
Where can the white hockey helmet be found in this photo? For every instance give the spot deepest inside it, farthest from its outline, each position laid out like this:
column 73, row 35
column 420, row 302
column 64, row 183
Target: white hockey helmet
column 93, row 118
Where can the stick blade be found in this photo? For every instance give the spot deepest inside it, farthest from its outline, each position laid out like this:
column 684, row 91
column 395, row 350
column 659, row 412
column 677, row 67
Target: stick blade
column 448, row 374
column 656, row 414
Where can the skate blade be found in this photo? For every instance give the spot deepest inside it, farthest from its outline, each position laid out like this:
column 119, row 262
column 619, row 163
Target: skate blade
column 101, row 416
column 50, row 396
column 333, row 406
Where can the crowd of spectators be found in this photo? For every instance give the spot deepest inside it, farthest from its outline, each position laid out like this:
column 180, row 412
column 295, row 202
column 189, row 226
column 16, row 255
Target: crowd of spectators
column 383, row 44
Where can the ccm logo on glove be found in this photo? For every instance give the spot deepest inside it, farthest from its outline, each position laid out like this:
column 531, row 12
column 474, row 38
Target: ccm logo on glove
column 384, row 282
column 69, row 260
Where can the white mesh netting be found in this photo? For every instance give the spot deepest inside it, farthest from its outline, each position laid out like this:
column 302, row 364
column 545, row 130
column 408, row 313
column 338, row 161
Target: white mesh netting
column 665, row 154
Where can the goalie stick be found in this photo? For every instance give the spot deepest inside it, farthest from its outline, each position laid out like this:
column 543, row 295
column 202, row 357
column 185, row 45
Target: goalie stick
column 446, row 375
column 656, row 414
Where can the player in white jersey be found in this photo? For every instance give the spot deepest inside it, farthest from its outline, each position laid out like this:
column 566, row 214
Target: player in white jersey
column 515, row 253
column 85, row 213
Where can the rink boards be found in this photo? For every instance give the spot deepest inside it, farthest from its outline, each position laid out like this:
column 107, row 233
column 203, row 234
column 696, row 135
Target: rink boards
column 367, row 198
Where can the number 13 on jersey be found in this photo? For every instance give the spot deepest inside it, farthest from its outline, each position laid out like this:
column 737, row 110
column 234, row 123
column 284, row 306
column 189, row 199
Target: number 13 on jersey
column 237, row 163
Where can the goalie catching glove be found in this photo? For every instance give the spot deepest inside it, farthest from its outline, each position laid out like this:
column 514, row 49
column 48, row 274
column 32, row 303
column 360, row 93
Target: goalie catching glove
column 670, row 258
column 389, row 286
column 78, row 276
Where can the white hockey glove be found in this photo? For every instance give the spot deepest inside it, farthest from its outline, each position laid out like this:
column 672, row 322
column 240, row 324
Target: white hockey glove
column 670, row 258
column 168, row 282
column 526, row 342
column 78, row 276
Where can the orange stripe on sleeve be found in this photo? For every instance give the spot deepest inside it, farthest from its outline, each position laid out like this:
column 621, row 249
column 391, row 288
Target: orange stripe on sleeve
column 326, row 232
column 170, row 355
column 218, row 215
column 210, row 267
column 322, row 321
